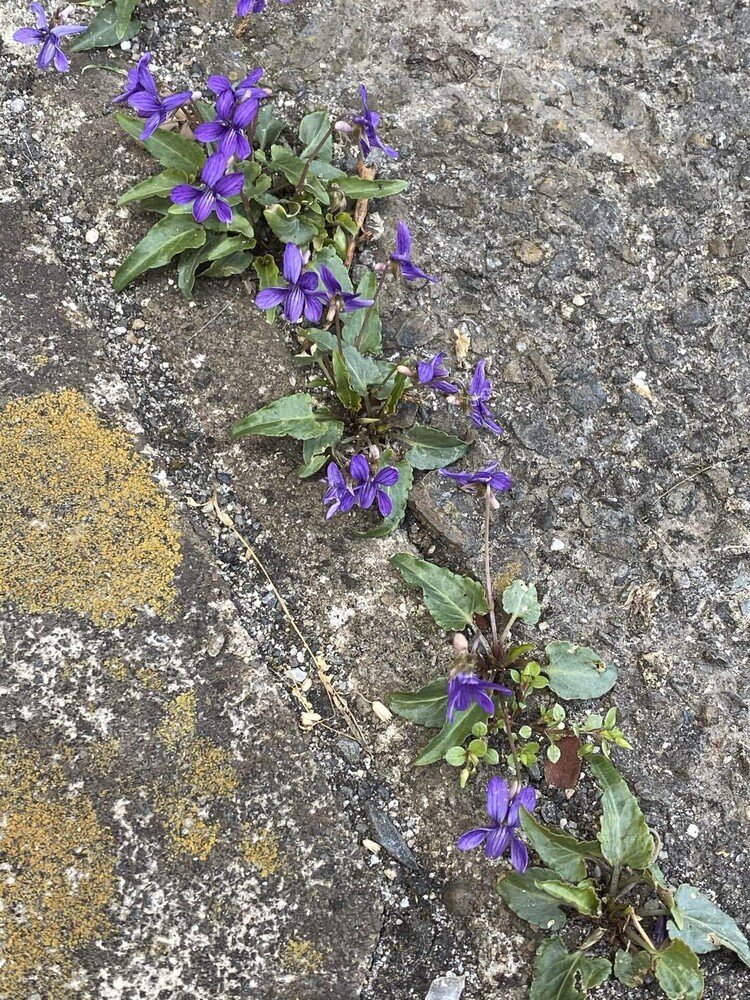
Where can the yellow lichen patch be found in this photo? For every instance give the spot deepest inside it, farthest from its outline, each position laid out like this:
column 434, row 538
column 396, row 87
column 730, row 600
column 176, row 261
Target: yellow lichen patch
column 83, row 526
column 189, row 832
column 150, row 679
column 301, row 956
column 179, row 722
column 204, row 774
column 208, row 769
column 260, row 848
column 103, row 755
column 57, row 878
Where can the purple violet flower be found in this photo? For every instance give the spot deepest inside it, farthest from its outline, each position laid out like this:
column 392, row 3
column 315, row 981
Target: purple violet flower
column 147, row 104
column 369, row 487
column 48, row 38
column 235, row 111
column 300, row 295
column 245, row 7
column 503, row 809
column 480, row 391
column 348, row 300
column 466, row 689
column 138, row 80
column 368, row 123
column 210, row 196
column 244, row 89
column 488, row 476
column 402, row 256
column 339, row 494
column 434, row 375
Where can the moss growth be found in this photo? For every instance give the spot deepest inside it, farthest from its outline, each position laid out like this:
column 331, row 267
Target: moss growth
column 57, row 878
column 83, row 526
column 189, row 832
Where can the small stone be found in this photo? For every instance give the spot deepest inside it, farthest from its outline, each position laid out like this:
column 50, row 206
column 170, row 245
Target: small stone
column 447, row 987
column 578, row 300
column 692, row 831
column 126, row 45
column 196, row 30
column 92, row 236
column 557, row 545
column 17, row 105
column 529, row 253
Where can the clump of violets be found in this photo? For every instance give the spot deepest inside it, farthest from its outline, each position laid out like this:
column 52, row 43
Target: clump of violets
column 365, row 488
column 300, row 295
column 211, row 195
column 490, row 476
column 236, row 109
column 434, row 375
column 480, row 390
column 402, row 257
column 49, row 37
column 142, row 94
column 503, row 809
column 245, row 7
column 366, row 129
column 465, row 690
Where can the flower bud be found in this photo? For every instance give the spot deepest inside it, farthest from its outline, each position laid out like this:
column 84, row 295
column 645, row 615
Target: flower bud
column 460, row 644
column 494, row 504
column 66, row 13
column 374, row 452
column 343, row 126
column 403, row 370
column 380, row 267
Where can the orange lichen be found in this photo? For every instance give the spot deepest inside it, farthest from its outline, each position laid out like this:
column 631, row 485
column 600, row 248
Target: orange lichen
column 83, row 526
column 57, row 879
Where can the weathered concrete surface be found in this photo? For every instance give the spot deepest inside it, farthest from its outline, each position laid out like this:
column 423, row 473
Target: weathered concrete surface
column 578, row 178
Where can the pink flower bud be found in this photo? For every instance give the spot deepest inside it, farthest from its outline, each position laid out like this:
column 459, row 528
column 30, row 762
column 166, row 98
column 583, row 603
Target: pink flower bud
column 343, row 126
column 494, row 505
column 403, row 370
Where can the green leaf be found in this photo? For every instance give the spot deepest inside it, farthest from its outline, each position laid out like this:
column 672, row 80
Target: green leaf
column 577, row 671
column 357, row 187
column 364, row 371
column 291, row 416
column 452, row 600
column 348, row 395
column 170, row 236
column 451, row 735
column 311, row 131
column 103, row 31
column 704, row 926
column 239, row 224
column 316, row 451
column 268, row 276
column 624, row 835
column 582, row 898
column 363, row 327
column 560, row 975
column 425, row 707
column 123, row 12
column 523, row 895
column 159, row 185
column 335, row 265
column 432, row 448
column 678, row 972
column 564, row 854
column 267, row 127
column 520, row 600
column 399, row 494
column 632, row 967
column 171, row 149
column 215, row 248
column 231, row 264
column 297, row 229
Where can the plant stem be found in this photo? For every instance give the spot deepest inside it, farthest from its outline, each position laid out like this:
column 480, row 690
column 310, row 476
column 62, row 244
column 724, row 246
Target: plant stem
column 337, row 324
column 311, row 157
column 614, row 883
column 511, row 738
column 488, row 573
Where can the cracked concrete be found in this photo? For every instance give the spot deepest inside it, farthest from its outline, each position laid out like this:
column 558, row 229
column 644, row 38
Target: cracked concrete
column 579, row 176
